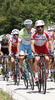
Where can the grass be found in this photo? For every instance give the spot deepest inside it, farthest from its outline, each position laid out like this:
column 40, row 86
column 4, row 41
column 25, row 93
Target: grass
column 4, row 96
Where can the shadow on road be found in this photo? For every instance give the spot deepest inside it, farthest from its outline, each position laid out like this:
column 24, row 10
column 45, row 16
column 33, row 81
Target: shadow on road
column 51, row 89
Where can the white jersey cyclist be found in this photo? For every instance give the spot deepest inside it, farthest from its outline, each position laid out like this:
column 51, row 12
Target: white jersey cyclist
column 40, row 40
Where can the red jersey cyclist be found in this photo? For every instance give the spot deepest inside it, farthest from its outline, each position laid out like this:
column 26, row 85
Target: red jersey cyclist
column 38, row 45
column 13, row 41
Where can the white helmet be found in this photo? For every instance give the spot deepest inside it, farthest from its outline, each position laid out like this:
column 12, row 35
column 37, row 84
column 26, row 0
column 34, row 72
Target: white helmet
column 39, row 23
column 28, row 22
column 5, row 38
column 15, row 31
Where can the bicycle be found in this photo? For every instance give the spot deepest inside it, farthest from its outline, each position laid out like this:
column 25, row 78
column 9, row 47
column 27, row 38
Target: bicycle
column 42, row 72
column 0, row 66
column 29, row 71
column 5, row 67
column 16, row 71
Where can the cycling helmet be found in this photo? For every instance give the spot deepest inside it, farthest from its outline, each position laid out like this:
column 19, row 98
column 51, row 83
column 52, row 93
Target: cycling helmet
column 39, row 23
column 5, row 38
column 15, row 31
column 28, row 22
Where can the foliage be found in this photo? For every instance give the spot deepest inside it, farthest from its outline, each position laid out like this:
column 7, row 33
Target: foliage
column 14, row 12
column 4, row 96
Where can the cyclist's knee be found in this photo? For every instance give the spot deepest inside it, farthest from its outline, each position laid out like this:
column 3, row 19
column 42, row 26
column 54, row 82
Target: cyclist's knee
column 47, row 58
column 31, row 61
column 12, row 59
column 37, row 59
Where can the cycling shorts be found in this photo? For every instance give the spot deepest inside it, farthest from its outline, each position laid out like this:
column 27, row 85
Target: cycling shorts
column 5, row 51
column 26, row 47
column 43, row 49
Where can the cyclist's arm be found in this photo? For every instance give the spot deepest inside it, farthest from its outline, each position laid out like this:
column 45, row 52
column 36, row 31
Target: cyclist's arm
column 10, row 46
column 18, row 46
column 0, row 46
column 51, row 45
column 19, row 42
column 32, row 45
column 47, row 43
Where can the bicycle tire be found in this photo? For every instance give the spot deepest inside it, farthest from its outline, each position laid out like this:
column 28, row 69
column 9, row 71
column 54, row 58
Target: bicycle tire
column 26, row 82
column 18, row 73
column 14, row 74
column 24, row 74
column 44, row 78
column 54, row 77
column 39, row 79
column 30, row 75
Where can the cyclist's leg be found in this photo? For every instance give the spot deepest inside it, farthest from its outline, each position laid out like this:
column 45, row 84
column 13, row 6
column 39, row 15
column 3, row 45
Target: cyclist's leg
column 53, row 67
column 47, row 60
column 22, row 51
column 7, row 61
column 1, row 54
column 11, row 65
column 36, row 64
column 30, row 58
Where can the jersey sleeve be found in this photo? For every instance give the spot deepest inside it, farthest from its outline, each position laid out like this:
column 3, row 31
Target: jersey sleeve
column 10, row 40
column 33, row 34
column 48, row 37
column 20, row 36
column 19, row 39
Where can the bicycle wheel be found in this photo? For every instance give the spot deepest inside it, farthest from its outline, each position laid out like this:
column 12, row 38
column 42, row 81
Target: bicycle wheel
column 15, row 79
column 30, row 75
column 18, row 79
column 39, row 79
column 54, row 76
column 18, row 74
column 24, row 68
column 44, row 78
column 14, row 74
column 25, row 80
column 7, row 75
column 4, row 70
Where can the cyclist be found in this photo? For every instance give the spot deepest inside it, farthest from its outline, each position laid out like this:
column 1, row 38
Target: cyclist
column 24, row 42
column 13, row 40
column 4, row 47
column 38, row 44
column 53, row 64
column 50, row 33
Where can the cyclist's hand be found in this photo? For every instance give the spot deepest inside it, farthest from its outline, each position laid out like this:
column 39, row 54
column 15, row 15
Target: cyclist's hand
column 33, row 54
column 10, row 54
column 17, row 55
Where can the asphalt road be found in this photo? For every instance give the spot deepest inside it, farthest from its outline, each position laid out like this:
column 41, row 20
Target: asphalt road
column 21, row 93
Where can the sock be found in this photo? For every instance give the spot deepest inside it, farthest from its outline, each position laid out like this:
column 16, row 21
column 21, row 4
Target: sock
column 36, row 74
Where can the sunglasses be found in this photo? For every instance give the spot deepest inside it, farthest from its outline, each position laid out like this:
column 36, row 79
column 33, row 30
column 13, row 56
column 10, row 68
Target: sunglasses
column 28, row 26
column 40, row 26
column 15, row 34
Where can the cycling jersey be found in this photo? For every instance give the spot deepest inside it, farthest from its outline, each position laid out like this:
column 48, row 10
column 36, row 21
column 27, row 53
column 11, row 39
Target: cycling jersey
column 40, row 42
column 4, row 48
column 24, row 36
column 14, row 44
